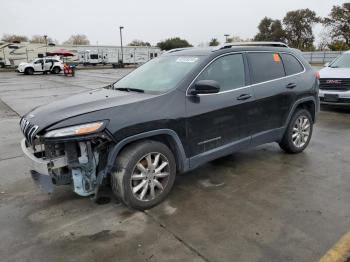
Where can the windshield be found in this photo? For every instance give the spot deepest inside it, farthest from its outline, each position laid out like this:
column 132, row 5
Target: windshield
column 159, row 75
column 342, row 61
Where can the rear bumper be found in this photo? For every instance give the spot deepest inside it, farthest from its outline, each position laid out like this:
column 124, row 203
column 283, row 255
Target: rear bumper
column 40, row 168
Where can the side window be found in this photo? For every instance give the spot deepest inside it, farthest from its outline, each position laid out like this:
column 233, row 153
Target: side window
column 291, row 64
column 265, row 66
column 38, row 61
column 228, row 71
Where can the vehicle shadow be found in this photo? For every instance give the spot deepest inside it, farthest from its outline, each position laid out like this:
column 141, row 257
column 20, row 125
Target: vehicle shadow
column 336, row 109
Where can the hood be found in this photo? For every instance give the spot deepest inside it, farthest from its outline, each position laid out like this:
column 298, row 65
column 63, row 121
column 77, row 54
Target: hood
column 23, row 64
column 329, row 72
column 87, row 102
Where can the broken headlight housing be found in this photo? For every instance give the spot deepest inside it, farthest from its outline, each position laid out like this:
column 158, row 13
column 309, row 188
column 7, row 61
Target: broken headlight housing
column 78, row 130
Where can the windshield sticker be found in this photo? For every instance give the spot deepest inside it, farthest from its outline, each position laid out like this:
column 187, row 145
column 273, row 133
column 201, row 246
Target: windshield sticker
column 188, row 59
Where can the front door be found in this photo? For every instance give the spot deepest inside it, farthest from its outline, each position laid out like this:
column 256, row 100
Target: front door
column 215, row 122
column 39, row 65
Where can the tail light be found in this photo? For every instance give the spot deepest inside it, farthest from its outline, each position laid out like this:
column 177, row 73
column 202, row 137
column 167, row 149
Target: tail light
column 318, row 75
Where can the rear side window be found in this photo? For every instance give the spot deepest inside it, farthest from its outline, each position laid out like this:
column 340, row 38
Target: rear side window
column 291, row 64
column 265, row 66
column 228, row 71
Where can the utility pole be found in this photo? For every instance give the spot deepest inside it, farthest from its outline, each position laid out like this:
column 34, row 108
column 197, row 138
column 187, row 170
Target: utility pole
column 226, row 35
column 45, row 37
column 121, row 42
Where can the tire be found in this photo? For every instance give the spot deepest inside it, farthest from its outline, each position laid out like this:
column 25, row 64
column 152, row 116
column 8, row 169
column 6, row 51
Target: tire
column 29, row 71
column 129, row 177
column 56, row 70
column 295, row 139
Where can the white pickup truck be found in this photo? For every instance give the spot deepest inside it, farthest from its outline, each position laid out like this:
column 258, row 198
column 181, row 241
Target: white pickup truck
column 44, row 65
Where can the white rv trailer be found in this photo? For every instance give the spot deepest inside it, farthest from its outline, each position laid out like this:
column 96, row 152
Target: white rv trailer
column 132, row 55
column 16, row 53
column 90, row 57
column 115, row 56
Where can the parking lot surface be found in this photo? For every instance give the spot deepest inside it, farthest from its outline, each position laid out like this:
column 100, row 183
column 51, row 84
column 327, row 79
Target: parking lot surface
column 256, row 205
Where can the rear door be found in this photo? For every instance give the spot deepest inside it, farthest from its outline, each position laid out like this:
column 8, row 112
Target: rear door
column 48, row 64
column 220, row 120
column 273, row 91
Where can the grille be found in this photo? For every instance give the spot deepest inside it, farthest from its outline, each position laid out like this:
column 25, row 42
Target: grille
column 29, row 130
column 342, row 84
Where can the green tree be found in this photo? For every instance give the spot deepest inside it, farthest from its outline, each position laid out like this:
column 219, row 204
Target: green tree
column 14, row 38
column 298, row 26
column 339, row 23
column 137, row 42
column 338, row 45
column 214, row 42
column 171, row 43
column 270, row 30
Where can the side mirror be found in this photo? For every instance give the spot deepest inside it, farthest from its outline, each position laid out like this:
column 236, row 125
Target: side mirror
column 326, row 64
column 205, row 87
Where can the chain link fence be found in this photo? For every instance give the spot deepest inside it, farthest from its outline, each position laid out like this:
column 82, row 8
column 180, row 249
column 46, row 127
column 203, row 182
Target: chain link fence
column 321, row 57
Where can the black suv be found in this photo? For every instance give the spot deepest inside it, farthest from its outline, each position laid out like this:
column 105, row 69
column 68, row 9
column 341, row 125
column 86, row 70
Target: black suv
column 171, row 115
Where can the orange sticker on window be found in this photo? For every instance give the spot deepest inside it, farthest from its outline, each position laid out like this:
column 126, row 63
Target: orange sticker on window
column 276, row 58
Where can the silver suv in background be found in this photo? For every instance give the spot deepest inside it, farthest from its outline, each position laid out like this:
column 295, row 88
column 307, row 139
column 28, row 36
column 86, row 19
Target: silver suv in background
column 335, row 82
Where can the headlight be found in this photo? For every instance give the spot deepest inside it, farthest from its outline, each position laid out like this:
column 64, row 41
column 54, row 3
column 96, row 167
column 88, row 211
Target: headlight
column 84, row 129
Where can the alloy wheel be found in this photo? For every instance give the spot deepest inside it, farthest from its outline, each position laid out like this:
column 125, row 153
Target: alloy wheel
column 150, row 176
column 301, row 131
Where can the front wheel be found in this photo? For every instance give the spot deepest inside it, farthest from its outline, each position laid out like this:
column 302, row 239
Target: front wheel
column 29, row 71
column 145, row 174
column 298, row 133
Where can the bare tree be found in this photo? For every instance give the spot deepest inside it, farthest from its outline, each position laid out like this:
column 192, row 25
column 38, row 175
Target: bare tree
column 78, row 39
column 324, row 39
column 235, row 39
column 14, row 38
column 40, row 39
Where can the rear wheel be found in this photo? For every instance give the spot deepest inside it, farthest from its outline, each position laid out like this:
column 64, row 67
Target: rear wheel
column 29, row 71
column 56, row 70
column 145, row 174
column 298, row 133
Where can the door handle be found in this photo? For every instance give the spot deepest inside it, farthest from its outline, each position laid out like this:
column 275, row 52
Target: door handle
column 291, row 85
column 244, row 97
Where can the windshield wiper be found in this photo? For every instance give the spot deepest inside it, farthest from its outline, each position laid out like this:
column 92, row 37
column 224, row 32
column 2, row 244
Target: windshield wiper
column 128, row 89
column 334, row 66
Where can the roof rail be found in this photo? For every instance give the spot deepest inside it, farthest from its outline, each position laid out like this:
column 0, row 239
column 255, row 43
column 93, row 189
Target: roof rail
column 175, row 50
column 258, row 43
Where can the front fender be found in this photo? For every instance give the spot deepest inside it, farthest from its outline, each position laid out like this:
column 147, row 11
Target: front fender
column 180, row 152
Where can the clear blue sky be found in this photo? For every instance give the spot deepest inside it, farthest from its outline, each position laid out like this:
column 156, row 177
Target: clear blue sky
column 151, row 20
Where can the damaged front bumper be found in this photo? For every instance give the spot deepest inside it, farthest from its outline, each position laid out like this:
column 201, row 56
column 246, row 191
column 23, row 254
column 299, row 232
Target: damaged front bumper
column 40, row 167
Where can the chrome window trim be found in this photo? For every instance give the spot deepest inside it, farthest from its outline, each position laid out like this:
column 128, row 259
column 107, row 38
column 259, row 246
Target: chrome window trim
column 248, row 86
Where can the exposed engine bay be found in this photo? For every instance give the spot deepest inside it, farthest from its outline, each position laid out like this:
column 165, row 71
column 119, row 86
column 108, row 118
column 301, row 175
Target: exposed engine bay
column 71, row 162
